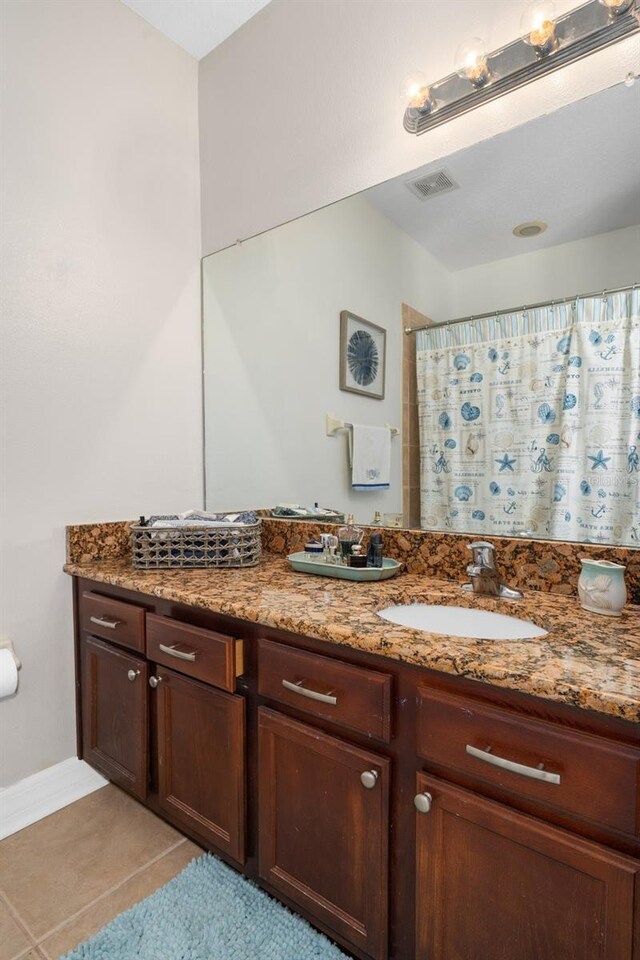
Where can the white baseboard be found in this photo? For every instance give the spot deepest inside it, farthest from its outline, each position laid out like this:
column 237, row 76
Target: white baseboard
column 35, row 797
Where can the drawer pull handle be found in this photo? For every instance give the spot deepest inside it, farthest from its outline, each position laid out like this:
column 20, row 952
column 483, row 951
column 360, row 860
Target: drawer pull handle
column 132, row 674
column 154, row 681
column 311, row 694
column 422, row 802
column 178, row 654
column 103, row 622
column 369, row 778
column 536, row 773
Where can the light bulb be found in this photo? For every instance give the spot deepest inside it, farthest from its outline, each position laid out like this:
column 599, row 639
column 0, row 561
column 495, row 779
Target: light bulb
column 617, row 7
column 415, row 92
column 470, row 62
column 538, row 26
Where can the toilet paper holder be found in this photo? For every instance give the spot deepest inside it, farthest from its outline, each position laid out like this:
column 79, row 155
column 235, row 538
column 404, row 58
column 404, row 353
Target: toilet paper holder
column 6, row 644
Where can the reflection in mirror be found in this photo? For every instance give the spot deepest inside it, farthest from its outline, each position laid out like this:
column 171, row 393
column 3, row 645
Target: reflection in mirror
column 525, row 421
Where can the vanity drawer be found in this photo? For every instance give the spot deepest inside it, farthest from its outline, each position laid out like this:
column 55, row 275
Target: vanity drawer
column 115, row 620
column 348, row 696
column 203, row 654
column 577, row 773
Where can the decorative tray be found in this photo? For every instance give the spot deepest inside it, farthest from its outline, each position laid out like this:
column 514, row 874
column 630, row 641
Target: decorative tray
column 303, row 564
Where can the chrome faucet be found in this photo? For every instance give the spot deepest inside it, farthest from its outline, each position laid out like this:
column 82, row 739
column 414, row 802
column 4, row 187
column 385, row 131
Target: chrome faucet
column 485, row 579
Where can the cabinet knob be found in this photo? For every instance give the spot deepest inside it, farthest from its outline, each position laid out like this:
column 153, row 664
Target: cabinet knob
column 154, row 681
column 132, row 674
column 423, row 802
column 369, row 778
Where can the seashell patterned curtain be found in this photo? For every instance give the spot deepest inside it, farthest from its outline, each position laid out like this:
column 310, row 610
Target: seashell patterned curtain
column 530, row 423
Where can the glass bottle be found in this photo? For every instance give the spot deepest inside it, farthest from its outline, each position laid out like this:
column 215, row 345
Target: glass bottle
column 348, row 535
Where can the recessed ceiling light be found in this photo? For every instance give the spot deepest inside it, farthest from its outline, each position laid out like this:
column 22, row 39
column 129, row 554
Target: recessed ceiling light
column 532, row 228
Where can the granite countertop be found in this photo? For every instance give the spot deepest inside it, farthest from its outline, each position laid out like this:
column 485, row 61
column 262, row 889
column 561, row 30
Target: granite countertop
column 587, row 660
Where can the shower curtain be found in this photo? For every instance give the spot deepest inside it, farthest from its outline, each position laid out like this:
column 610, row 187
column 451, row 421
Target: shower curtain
column 530, row 422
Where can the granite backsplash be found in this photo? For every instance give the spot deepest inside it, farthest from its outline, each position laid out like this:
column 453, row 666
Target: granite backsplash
column 548, row 565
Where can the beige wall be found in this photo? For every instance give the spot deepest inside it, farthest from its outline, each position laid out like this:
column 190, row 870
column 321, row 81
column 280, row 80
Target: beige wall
column 604, row 261
column 271, row 311
column 300, row 107
column 100, row 350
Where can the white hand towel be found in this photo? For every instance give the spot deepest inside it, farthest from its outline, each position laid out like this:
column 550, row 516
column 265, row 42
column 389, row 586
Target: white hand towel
column 371, row 458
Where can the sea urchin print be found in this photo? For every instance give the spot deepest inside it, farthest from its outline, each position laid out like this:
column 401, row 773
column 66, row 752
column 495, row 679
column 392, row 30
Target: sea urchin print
column 363, row 358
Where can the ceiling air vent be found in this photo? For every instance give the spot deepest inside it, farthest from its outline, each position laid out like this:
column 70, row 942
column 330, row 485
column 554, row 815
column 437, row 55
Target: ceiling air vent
column 430, row 186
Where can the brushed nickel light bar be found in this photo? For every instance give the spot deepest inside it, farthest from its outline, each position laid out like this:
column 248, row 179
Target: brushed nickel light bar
column 547, row 44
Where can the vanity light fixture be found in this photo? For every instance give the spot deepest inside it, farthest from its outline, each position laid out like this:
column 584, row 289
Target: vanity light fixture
column 617, row 7
column 538, row 25
column 548, row 42
column 415, row 92
column 471, row 62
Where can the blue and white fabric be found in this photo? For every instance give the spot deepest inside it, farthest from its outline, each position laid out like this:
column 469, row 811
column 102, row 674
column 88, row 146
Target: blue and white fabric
column 530, row 422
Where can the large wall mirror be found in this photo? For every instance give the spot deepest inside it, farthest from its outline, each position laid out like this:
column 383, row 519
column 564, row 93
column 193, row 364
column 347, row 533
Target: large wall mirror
column 521, row 415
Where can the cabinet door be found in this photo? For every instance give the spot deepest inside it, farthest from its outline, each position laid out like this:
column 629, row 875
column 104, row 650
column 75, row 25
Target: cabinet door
column 114, row 714
column 201, row 759
column 494, row 884
column 323, row 832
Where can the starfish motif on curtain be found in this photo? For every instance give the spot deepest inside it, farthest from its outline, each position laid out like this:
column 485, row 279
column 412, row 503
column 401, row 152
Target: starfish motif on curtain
column 506, row 463
column 599, row 462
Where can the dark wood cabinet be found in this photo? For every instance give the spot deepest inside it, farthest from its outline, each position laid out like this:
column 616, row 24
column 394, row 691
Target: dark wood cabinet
column 495, row 884
column 119, row 623
column 591, row 778
column 323, row 828
column 200, row 736
column 303, row 764
column 114, row 714
column 351, row 697
column 205, row 655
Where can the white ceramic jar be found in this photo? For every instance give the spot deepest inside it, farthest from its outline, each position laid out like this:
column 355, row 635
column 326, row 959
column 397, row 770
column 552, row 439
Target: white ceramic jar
column 601, row 587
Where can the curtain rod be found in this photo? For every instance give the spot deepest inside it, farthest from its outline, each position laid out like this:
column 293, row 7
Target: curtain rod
column 525, row 306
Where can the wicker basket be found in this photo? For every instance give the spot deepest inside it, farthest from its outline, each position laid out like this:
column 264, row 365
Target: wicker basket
column 232, row 545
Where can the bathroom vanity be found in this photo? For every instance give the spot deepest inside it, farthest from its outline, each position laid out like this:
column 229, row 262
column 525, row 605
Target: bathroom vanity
column 416, row 797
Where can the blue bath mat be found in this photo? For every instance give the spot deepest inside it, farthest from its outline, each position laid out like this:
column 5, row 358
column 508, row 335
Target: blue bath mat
column 207, row 912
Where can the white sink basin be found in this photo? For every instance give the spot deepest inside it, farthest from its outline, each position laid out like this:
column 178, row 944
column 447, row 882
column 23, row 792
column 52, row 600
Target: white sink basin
column 461, row 622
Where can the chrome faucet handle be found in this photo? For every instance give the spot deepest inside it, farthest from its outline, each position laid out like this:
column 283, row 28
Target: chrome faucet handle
column 485, row 579
column 484, row 554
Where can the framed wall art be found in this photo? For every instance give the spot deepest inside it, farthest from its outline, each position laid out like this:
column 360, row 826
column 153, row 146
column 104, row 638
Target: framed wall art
column 363, row 348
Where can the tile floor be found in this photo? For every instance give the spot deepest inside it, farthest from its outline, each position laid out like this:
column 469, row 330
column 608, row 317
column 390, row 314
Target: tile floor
column 63, row 878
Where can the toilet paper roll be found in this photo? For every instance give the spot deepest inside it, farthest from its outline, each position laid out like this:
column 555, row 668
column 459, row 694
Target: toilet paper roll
column 8, row 674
